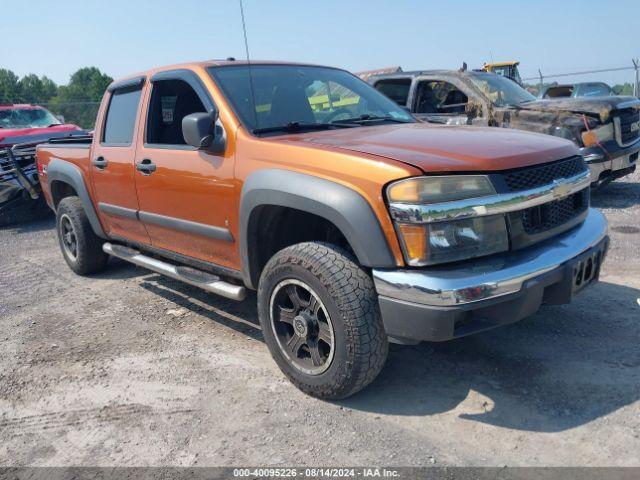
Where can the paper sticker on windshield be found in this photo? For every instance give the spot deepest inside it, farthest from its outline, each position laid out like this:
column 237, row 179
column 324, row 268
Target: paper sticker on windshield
column 168, row 107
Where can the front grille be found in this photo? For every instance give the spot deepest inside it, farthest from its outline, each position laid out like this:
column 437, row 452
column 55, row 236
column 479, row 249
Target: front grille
column 553, row 214
column 627, row 123
column 533, row 177
column 25, row 158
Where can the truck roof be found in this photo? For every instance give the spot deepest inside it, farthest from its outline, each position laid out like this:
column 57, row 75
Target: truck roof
column 24, row 106
column 214, row 63
column 416, row 73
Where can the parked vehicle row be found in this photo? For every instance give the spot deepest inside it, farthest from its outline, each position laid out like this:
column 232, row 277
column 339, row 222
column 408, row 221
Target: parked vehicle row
column 575, row 90
column 356, row 223
column 605, row 129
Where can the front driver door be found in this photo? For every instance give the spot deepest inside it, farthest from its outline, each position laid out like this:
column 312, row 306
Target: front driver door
column 186, row 195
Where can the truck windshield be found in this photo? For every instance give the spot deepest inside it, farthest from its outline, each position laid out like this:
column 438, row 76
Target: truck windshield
column 284, row 98
column 26, row 118
column 501, row 91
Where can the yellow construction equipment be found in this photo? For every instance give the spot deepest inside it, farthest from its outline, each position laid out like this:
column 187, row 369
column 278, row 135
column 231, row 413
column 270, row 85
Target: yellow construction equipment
column 506, row 69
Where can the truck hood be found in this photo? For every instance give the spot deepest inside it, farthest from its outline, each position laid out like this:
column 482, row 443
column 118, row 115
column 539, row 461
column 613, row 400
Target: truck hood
column 444, row 148
column 11, row 136
column 601, row 106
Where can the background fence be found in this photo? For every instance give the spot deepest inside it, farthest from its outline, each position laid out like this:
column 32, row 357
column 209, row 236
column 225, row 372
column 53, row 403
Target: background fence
column 628, row 87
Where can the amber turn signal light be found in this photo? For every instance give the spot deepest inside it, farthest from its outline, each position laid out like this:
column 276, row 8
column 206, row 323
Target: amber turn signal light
column 414, row 238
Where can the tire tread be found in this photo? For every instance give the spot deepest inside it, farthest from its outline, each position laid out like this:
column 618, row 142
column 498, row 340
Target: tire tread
column 352, row 290
column 91, row 258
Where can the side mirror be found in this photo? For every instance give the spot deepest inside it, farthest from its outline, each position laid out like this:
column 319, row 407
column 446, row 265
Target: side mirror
column 60, row 118
column 199, row 129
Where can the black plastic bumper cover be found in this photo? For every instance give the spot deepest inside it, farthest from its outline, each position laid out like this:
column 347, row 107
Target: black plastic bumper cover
column 411, row 322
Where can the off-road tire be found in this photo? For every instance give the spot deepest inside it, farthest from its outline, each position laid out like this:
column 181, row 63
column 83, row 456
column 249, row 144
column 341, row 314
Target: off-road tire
column 90, row 258
column 349, row 296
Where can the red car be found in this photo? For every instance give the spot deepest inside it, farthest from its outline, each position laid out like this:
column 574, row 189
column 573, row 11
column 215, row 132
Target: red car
column 30, row 123
column 22, row 127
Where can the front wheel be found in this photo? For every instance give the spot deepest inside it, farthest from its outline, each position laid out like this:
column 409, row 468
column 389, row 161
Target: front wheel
column 320, row 319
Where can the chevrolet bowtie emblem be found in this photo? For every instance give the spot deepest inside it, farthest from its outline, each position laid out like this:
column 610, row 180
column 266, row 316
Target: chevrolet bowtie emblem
column 560, row 189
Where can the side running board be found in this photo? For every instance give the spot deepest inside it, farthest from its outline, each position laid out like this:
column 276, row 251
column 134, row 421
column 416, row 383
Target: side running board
column 198, row 278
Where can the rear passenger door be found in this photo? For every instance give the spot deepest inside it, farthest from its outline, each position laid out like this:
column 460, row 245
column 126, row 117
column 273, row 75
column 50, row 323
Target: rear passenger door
column 186, row 195
column 112, row 162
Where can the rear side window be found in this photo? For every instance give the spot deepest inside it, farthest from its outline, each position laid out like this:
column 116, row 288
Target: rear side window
column 121, row 117
column 396, row 89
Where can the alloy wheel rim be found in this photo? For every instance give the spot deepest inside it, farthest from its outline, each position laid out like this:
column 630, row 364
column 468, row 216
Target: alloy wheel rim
column 69, row 238
column 302, row 327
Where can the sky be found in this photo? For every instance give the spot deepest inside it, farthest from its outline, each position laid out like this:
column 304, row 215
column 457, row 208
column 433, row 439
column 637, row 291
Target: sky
column 55, row 38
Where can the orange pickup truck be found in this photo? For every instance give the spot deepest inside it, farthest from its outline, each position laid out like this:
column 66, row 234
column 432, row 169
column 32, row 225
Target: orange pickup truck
column 356, row 224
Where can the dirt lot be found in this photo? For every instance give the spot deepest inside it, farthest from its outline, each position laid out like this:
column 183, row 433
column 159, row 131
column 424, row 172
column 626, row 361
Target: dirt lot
column 129, row 368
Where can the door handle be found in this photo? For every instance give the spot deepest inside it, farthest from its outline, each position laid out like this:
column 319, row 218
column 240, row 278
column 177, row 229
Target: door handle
column 146, row 167
column 100, row 163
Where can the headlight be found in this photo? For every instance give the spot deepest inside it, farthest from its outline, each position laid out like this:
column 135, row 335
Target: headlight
column 425, row 243
column 597, row 135
column 420, row 190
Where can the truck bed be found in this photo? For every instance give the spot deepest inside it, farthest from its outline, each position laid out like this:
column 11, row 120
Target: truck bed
column 75, row 150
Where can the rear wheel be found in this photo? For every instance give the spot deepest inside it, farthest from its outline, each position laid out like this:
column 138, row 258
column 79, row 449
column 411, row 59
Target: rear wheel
column 320, row 319
column 81, row 247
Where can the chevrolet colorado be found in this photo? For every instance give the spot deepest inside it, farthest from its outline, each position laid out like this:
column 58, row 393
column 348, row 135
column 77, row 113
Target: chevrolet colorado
column 356, row 224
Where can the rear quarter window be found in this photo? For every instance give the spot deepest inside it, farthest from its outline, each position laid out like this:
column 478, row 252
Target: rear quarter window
column 121, row 117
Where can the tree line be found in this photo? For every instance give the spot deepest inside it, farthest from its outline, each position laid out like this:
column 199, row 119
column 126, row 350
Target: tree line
column 77, row 102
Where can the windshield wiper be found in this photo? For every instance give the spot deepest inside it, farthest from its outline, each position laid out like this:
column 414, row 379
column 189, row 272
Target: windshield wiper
column 299, row 127
column 372, row 118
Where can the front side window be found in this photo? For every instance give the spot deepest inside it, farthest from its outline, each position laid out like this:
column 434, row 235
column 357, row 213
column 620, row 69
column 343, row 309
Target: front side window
column 273, row 96
column 32, row 117
column 436, row 96
column 121, row 116
column 171, row 101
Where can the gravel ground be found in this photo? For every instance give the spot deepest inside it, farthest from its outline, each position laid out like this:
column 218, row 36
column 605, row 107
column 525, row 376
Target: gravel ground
column 131, row 369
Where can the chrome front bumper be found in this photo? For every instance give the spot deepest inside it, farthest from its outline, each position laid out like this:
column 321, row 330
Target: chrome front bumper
column 599, row 164
column 488, row 278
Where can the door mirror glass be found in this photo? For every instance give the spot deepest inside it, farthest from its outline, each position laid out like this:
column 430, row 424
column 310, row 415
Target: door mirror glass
column 199, row 129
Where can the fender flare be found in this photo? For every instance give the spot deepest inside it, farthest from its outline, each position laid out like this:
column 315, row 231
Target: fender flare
column 343, row 207
column 61, row 171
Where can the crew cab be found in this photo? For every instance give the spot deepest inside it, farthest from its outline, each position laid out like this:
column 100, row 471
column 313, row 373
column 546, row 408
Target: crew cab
column 605, row 129
column 355, row 223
